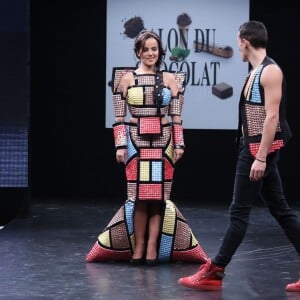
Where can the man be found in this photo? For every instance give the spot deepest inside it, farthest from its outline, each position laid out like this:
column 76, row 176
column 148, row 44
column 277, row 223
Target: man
column 262, row 132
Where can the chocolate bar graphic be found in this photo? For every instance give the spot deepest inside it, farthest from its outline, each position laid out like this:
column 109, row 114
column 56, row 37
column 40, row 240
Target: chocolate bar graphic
column 223, row 51
column 222, row 90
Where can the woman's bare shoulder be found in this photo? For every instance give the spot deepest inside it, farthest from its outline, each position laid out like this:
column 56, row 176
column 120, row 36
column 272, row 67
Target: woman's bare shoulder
column 169, row 77
column 125, row 81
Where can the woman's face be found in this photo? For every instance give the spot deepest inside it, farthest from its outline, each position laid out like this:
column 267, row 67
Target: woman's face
column 149, row 53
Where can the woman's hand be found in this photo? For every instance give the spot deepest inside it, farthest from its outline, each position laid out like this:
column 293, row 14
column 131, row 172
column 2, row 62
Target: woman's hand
column 178, row 153
column 121, row 155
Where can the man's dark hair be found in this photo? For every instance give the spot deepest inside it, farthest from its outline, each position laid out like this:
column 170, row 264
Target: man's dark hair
column 255, row 32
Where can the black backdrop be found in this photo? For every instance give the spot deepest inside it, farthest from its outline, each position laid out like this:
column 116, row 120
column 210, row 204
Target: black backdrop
column 71, row 152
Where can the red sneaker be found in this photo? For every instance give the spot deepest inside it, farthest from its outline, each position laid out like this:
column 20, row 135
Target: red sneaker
column 293, row 287
column 208, row 278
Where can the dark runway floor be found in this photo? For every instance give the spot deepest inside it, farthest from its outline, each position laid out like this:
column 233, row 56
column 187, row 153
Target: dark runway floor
column 43, row 257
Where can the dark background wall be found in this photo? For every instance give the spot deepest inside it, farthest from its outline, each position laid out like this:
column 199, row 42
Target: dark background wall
column 72, row 154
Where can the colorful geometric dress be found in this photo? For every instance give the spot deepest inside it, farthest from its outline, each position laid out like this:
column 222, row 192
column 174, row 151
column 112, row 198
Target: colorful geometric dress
column 149, row 170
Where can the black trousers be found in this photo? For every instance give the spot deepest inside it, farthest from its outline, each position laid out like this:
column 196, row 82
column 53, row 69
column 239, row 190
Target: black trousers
column 245, row 193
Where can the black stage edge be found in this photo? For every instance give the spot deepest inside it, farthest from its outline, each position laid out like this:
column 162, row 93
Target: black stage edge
column 14, row 202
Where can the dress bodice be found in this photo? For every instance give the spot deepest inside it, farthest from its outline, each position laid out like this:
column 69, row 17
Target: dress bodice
column 148, row 96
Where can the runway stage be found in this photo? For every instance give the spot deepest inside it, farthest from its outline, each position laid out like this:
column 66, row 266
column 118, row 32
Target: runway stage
column 43, row 257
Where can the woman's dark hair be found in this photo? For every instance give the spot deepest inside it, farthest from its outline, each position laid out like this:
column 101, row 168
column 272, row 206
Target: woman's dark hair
column 255, row 32
column 140, row 43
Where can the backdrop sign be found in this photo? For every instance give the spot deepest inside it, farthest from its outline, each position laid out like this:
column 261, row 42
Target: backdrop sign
column 200, row 38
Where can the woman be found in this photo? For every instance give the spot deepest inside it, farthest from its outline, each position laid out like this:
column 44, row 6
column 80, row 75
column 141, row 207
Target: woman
column 149, row 145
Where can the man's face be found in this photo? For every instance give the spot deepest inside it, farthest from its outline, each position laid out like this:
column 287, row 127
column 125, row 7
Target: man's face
column 243, row 48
